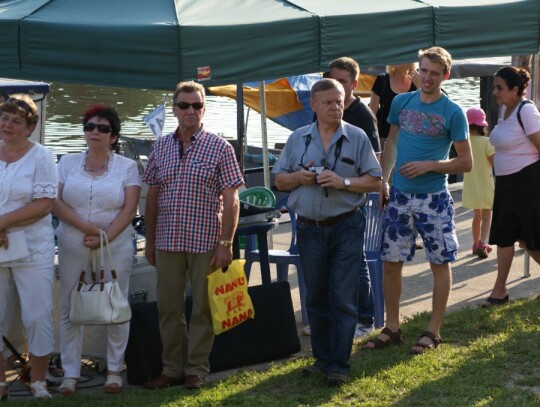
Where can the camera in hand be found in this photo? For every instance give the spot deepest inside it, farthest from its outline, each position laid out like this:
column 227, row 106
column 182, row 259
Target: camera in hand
column 318, row 169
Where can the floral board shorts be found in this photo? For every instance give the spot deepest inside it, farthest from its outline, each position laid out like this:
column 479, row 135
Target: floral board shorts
column 430, row 215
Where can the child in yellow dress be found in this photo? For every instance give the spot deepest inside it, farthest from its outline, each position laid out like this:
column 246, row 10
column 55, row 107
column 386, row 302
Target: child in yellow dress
column 478, row 185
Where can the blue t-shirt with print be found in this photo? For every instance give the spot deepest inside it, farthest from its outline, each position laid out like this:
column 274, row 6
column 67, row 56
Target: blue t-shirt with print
column 426, row 132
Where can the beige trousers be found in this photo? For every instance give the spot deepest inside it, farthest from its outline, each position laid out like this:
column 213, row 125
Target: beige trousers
column 184, row 352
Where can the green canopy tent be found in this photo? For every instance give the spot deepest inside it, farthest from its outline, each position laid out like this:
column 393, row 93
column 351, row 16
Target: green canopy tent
column 487, row 28
column 373, row 32
column 155, row 44
column 11, row 13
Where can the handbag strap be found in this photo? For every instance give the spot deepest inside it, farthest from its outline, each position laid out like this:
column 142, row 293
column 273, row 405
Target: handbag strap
column 82, row 276
column 104, row 243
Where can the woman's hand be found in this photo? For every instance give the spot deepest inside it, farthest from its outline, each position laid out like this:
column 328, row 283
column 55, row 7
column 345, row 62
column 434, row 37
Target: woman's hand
column 92, row 242
column 4, row 240
column 415, row 78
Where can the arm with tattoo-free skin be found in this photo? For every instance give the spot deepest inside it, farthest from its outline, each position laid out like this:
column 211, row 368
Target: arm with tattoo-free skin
column 150, row 220
column 462, row 163
column 231, row 206
column 25, row 215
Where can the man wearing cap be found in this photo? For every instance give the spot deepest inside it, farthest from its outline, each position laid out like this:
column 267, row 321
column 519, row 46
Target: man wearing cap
column 424, row 124
column 328, row 166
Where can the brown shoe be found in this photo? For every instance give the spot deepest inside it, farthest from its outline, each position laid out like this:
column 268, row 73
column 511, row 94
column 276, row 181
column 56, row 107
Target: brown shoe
column 193, row 382
column 162, row 382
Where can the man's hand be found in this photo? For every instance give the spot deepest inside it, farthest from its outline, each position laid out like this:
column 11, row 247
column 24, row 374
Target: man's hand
column 150, row 252
column 222, row 257
column 384, row 195
column 329, row 179
column 415, row 169
column 305, row 176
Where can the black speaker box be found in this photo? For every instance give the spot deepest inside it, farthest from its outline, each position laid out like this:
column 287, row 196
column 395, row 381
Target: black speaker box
column 270, row 335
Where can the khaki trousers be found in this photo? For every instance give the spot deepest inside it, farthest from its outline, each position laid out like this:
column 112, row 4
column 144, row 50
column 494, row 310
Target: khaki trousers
column 184, row 353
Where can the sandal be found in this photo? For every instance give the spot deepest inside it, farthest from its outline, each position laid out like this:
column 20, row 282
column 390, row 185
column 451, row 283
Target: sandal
column 68, row 386
column 425, row 346
column 3, row 391
column 491, row 302
column 395, row 338
column 39, row 390
column 113, row 384
column 483, row 250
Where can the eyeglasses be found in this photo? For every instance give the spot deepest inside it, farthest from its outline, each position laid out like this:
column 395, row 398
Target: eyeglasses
column 186, row 105
column 102, row 128
column 20, row 104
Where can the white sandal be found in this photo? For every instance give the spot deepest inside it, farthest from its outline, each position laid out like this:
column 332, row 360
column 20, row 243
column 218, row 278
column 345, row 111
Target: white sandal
column 68, row 386
column 113, row 384
column 39, row 390
column 4, row 396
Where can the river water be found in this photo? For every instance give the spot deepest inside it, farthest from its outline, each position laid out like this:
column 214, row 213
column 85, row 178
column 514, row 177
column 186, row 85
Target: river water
column 66, row 102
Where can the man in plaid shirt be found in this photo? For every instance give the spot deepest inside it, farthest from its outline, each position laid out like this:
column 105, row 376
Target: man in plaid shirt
column 191, row 217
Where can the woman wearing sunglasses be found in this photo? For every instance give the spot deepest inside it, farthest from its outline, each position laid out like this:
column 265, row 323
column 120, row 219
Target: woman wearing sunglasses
column 98, row 189
column 28, row 186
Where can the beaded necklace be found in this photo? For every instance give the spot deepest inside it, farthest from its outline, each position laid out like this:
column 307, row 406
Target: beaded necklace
column 100, row 168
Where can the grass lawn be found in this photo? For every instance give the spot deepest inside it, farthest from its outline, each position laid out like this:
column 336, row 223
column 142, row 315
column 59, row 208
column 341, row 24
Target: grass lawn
column 491, row 357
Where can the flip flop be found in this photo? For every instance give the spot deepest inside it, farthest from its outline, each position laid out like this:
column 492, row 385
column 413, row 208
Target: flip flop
column 492, row 302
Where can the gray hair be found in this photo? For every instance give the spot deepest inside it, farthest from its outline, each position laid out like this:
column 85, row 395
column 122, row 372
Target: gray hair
column 326, row 84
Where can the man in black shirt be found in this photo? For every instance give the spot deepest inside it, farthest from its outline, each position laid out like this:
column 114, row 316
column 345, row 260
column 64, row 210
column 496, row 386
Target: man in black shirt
column 345, row 70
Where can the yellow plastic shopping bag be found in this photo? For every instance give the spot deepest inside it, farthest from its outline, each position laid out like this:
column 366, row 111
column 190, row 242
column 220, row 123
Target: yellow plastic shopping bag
column 229, row 299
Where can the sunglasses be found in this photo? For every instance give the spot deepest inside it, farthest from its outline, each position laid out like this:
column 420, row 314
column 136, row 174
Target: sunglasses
column 102, row 128
column 186, row 105
column 21, row 104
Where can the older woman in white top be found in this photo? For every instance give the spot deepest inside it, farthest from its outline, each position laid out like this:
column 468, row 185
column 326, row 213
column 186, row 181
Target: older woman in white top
column 516, row 207
column 28, row 186
column 98, row 190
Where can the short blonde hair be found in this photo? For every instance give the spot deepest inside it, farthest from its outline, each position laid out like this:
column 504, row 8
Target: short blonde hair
column 437, row 55
column 23, row 105
column 390, row 69
column 189, row 87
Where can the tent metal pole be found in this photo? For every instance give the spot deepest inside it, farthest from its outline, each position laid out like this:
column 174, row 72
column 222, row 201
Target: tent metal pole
column 240, row 129
column 264, row 139
column 264, row 135
column 534, row 97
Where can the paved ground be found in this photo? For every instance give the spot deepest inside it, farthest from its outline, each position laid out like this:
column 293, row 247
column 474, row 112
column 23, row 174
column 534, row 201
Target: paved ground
column 472, row 282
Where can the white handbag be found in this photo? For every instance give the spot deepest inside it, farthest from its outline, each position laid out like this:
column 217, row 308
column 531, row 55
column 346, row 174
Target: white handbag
column 98, row 302
column 17, row 248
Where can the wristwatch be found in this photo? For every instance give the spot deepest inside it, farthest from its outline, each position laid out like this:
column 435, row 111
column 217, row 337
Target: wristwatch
column 225, row 243
column 346, row 183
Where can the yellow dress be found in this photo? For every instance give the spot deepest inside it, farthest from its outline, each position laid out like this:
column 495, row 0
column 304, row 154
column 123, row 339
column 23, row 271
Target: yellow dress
column 478, row 185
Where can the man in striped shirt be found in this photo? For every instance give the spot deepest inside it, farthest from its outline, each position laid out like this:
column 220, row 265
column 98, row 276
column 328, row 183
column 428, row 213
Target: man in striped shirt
column 191, row 217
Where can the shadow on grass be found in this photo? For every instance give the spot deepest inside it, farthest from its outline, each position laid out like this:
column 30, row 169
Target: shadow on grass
column 491, row 357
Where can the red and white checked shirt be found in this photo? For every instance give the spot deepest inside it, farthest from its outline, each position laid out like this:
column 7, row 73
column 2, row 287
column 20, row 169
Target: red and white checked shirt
column 189, row 205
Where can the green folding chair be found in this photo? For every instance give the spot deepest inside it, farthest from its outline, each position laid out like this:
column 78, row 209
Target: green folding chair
column 260, row 196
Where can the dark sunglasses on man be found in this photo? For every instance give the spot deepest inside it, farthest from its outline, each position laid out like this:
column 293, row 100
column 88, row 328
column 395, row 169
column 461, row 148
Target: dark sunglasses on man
column 186, row 105
column 102, row 128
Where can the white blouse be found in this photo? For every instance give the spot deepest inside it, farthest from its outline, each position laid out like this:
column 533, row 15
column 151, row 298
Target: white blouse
column 32, row 176
column 97, row 199
column 513, row 148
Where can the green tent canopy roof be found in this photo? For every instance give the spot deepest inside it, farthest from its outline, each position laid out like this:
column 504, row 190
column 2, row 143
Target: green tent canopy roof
column 155, row 44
